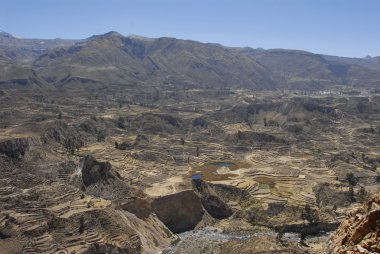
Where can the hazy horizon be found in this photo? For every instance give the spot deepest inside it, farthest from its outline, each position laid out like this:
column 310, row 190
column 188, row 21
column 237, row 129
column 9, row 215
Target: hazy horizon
column 340, row 28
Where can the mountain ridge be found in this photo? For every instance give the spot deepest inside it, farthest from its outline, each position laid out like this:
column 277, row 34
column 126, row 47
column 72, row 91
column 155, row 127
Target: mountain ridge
column 118, row 59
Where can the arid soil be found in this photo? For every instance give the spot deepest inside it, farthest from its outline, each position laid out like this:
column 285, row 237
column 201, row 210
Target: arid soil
column 119, row 144
column 75, row 166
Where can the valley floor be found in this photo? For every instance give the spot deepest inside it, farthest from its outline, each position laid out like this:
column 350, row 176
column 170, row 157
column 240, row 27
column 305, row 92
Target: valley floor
column 118, row 171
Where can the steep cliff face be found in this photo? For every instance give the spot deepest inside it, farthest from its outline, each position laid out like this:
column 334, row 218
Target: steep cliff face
column 179, row 212
column 360, row 232
column 211, row 201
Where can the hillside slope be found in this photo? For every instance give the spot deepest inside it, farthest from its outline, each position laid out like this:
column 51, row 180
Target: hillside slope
column 25, row 51
column 12, row 75
column 372, row 63
column 113, row 58
column 306, row 70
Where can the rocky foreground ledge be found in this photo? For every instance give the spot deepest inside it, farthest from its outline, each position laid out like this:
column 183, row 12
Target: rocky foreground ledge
column 360, row 232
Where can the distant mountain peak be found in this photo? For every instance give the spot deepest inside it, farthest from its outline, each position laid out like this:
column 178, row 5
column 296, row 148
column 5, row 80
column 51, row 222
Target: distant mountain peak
column 111, row 34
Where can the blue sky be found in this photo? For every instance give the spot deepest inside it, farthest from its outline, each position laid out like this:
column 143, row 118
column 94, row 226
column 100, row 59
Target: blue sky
column 336, row 27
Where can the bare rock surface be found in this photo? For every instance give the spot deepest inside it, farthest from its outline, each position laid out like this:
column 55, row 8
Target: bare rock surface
column 179, row 212
column 360, row 232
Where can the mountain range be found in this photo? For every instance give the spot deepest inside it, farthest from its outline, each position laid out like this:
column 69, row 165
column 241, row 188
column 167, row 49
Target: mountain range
column 112, row 58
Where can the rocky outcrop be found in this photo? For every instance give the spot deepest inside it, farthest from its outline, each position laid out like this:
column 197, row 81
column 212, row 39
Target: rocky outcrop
column 15, row 148
column 216, row 207
column 94, row 171
column 179, row 212
column 211, row 202
column 141, row 139
column 360, row 232
column 100, row 180
column 184, row 210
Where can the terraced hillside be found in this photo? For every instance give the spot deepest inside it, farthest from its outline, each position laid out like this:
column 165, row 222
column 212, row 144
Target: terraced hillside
column 133, row 145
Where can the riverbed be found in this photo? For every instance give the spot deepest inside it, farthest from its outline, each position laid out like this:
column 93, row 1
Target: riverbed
column 213, row 237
